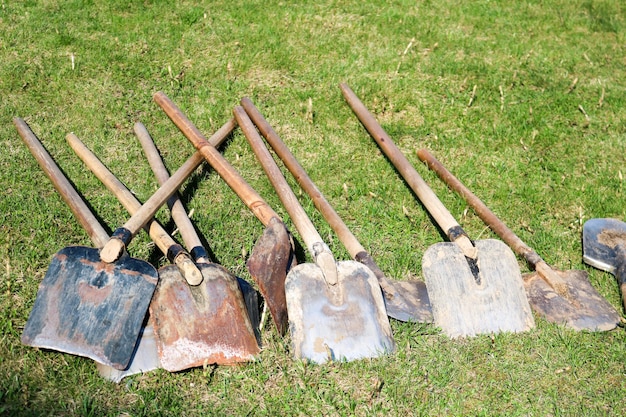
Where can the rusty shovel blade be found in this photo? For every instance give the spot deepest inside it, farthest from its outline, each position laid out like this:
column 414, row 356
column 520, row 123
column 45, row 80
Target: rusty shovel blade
column 90, row 308
column 271, row 259
column 584, row 309
column 204, row 324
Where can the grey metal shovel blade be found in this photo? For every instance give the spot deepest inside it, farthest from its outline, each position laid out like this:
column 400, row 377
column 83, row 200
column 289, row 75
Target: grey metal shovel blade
column 604, row 243
column 461, row 306
column 145, row 358
column 346, row 322
column 90, row 308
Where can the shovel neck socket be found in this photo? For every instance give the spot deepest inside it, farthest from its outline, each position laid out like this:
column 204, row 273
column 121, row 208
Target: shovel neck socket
column 173, row 251
column 122, row 234
column 198, row 253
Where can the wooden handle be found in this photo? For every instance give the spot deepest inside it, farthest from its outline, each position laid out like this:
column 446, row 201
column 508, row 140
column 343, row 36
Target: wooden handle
column 345, row 235
column 174, row 252
column 179, row 214
column 246, row 193
column 495, row 224
column 426, row 195
column 318, row 249
column 122, row 236
column 79, row 208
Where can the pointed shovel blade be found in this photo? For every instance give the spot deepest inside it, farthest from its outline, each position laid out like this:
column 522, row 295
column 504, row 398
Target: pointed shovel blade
column 583, row 309
column 90, row 308
column 344, row 322
column 204, row 324
column 461, row 306
column 268, row 264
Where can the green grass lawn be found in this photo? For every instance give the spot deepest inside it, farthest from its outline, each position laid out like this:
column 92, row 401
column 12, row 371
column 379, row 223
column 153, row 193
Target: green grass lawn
column 525, row 102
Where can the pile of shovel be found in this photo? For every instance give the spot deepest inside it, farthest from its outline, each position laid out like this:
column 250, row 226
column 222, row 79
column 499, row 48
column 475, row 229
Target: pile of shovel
column 129, row 317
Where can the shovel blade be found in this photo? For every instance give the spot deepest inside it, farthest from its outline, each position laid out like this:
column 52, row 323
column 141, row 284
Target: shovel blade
column 145, row 358
column 344, row 322
column 206, row 324
column 410, row 302
column 461, row 306
column 268, row 264
column 584, row 309
column 604, row 244
column 90, row 308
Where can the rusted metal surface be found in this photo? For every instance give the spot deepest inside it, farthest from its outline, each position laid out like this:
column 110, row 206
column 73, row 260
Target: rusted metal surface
column 604, row 247
column 90, row 308
column 205, row 324
column 346, row 321
column 271, row 259
column 585, row 309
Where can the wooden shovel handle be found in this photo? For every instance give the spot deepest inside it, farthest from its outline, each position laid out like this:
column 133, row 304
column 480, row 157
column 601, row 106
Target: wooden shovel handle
column 345, row 235
column 235, row 181
column 426, row 195
column 305, row 227
column 495, row 224
column 79, row 208
column 174, row 252
column 123, row 235
column 179, row 213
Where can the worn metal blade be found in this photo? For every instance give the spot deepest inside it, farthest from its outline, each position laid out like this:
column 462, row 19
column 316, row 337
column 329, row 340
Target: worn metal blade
column 90, row 308
column 461, row 306
column 204, row 324
column 583, row 309
column 347, row 321
column 604, row 243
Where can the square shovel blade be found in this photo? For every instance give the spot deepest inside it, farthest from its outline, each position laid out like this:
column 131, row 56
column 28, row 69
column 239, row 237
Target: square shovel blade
column 344, row 322
column 461, row 306
column 90, row 308
column 204, row 324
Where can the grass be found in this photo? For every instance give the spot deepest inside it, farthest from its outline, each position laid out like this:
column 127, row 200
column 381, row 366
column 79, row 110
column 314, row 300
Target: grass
column 523, row 101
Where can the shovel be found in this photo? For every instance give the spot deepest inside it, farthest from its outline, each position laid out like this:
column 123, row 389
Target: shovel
column 204, row 325
column 404, row 300
column 179, row 214
column 336, row 309
column 145, row 358
column 604, row 247
column 189, row 320
column 272, row 256
column 564, row 297
column 84, row 306
column 474, row 287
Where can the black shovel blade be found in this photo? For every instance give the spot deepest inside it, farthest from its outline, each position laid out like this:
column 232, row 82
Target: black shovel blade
column 583, row 309
column 90, row 308
column 604, row 244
